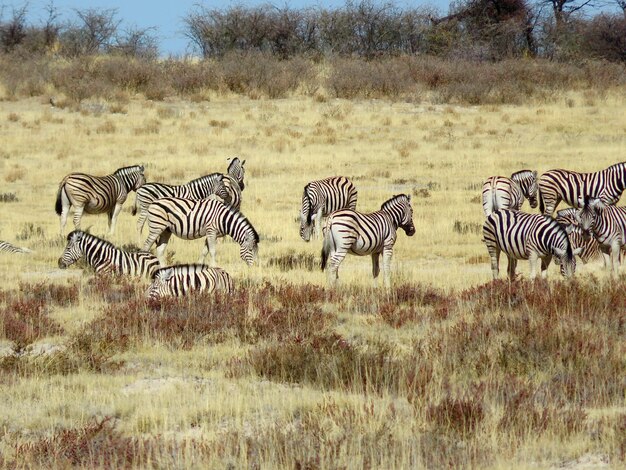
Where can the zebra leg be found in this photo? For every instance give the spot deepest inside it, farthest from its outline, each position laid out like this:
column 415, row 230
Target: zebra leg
column 545, row 263
column 318, row 224
column 78, row 214
column 387, row 255
column 494, row 254
column 210, row 247
column 162, row 245
column 615, row 259
column 375, row 264
column 113, row 217
column 533, row 258
column 141, row 221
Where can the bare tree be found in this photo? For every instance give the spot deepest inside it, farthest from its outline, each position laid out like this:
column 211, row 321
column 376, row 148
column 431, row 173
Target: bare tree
column 137, row 42
column 13, row 31
column 99, row 27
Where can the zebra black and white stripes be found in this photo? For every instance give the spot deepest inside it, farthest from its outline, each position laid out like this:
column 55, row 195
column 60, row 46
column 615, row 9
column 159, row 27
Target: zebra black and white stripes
column 200, row 188
column 347, row 231
column 321, row 198
column 97, row 194
column 527, row 236
column 572, row 187
column 237, row 171
column 104, row 257
column 607, row 224
column 189, row 219
column 6, row 247
column 175, row 281
column 500, row 192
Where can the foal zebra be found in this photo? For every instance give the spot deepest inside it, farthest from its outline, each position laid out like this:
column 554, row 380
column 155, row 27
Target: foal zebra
column 500, row 192
column 200, row 188
column 527, row 236
column 97, row 194
column 322, row 197
column 347, row 231
column 189, row 219
column 607, row 224
column 185, row 278
column 571, row 187
column 590, row 249
column 6, row 247
column 106, row 258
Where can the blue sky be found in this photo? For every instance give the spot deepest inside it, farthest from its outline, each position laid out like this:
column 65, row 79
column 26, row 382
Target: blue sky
column 166, row 15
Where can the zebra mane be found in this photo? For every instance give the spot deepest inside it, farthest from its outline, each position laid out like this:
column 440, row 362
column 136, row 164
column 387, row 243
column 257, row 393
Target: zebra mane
column 129, row 169
column 309, row 214
column 392, row 199
column 521, row 174
column 233, row 162
column 201, row 179
column 89, row 235
column 240, row 216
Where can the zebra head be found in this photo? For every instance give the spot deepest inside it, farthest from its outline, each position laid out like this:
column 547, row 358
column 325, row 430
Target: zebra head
column 567, row 260
column 527, row 181
column 73, row 250
column 586, row 217
column 401, row 211
column 237, row 171
column 249, row 248
column 306, row 216
column 160, row 284
column 132, row 176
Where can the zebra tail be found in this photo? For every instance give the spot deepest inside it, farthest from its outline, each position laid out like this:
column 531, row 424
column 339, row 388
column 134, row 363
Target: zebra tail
column 326, row 246
column 542, row 206
column 133, row 209
column 59, row 205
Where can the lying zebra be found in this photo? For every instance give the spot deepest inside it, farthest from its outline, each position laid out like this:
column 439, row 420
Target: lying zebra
column 106, row 258
column 185, row 278
column 6, row 247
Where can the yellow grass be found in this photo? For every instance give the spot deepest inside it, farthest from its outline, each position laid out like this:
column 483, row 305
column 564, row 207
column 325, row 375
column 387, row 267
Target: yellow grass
column 438, row 153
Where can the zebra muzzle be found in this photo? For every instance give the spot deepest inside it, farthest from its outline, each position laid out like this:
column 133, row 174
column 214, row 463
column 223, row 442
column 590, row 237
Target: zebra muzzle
column 62, row 264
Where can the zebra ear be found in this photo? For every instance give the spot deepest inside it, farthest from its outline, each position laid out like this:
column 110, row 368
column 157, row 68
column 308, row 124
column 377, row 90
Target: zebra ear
column 141, row 168
column 166, row 274
column 243, row 162
column 535, row 174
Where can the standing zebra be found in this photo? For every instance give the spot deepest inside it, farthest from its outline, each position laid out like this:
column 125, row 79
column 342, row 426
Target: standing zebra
column 189, row 219
column 106, row 258
column 564, row 185
column 97, row 194
column 608, row 226
column 500, row 192
column 527, row 236
column 348, row 231
column 590, row 248
column 6, row 247
column 322, row 197
column 200, row 188
column 185, row 278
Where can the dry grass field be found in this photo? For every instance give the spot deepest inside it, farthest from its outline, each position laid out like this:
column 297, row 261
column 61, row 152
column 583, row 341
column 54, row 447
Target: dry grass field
column 444, row 370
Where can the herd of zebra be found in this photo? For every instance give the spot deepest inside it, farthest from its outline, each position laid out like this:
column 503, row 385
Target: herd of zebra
column 591, row 228
column 209, row 207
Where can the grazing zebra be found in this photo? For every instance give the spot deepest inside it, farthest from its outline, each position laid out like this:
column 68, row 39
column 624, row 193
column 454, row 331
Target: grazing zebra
column 200, row 188
column 185, row 278
column 6, row 247
column 189, row 219
column 106, row 258
column 97, row 194
column 500, row 192
column 563, row 185
column 347, row 231
column 527, row 236
column 321, row 198
column 237, row 171
column 608, row 225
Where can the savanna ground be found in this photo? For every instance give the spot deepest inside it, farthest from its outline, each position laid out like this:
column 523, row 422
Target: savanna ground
column 445, row 370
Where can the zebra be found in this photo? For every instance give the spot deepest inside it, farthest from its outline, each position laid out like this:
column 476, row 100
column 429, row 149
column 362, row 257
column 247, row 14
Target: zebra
column 237, row 171
column 590, row 249
column 104, row 257
column 189, row 219
column 322, row 197
column 348, row 231
column 6, row 247
column 607, row 224
column 527, row 236
column 97, row 194
column 571, row 187
column 182, row 279
column 200, row 188
column 500, row 192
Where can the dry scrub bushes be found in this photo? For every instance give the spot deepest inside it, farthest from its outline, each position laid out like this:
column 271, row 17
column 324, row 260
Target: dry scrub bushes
column 257, row 75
